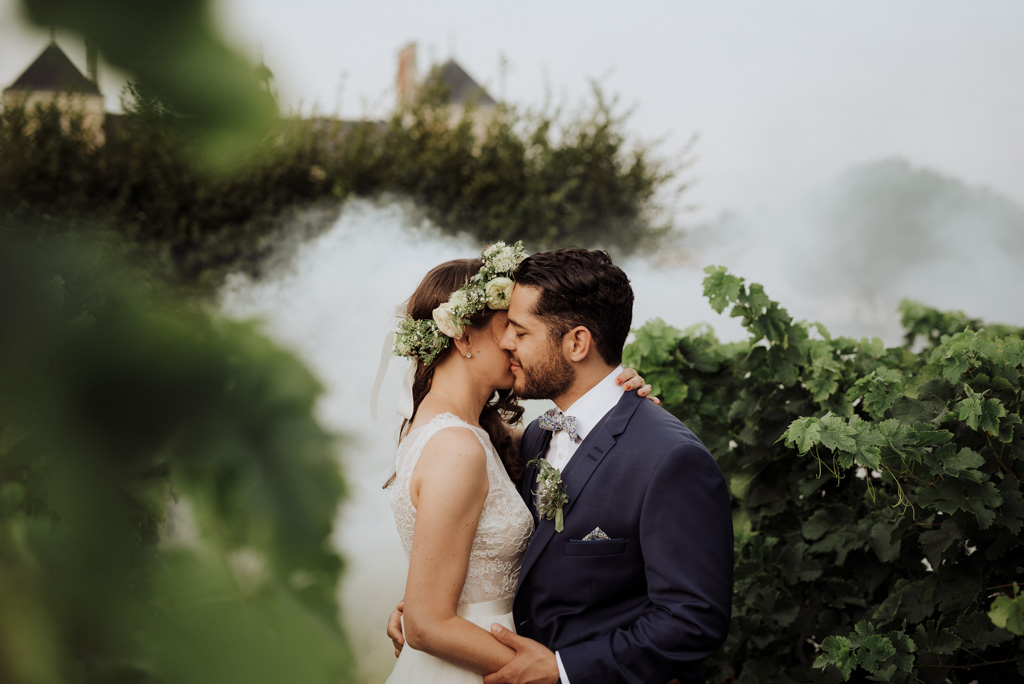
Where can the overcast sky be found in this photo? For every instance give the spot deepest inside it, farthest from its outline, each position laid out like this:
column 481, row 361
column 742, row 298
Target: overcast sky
column 783, row 94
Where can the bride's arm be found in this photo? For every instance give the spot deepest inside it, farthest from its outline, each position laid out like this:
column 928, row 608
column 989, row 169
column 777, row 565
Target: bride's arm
column 448, row 489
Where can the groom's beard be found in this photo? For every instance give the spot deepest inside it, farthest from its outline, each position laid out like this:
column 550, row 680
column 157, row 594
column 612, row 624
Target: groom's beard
column 549, row 378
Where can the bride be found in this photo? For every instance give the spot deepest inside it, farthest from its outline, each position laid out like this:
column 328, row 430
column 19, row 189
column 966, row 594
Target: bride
column 461, row 519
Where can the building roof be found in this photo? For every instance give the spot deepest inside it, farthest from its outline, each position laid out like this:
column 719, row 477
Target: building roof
column 462, row 86
column 53, row 71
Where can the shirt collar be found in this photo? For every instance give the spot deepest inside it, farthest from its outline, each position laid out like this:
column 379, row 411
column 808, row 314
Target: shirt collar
column 599, row 400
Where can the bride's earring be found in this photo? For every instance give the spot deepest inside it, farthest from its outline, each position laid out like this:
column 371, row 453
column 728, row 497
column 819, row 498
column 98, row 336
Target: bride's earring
column 469, row 355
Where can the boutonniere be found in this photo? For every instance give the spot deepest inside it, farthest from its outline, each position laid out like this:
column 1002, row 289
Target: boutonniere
column 551, row 494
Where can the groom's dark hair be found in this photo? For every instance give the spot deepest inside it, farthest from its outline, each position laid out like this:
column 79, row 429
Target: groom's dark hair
column 582, row 287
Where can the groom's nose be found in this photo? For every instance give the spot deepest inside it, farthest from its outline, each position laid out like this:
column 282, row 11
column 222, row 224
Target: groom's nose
column 508, row 340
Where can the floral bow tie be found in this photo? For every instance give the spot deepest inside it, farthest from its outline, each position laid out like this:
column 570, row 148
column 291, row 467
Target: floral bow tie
column 555, row 420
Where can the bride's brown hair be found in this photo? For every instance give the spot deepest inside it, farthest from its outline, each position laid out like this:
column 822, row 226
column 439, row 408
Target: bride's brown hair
column 502, row 409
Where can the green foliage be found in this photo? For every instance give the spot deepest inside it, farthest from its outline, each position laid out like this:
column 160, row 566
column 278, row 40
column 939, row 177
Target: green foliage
column 876, row 492
column 166, row 496
column 521, row 176
column 1008, row 612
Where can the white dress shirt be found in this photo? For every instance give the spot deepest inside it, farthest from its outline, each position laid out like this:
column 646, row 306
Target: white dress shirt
column 588, row 411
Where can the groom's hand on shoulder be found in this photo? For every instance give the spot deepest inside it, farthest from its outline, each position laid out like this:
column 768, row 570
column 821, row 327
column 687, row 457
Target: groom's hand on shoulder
column 533, row 664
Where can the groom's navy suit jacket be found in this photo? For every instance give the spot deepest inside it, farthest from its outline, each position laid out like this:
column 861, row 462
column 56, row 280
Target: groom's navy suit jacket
column 652, row 602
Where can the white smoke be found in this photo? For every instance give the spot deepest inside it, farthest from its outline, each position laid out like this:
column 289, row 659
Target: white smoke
column 332, row 298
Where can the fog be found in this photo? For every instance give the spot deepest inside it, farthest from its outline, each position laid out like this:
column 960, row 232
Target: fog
column 844, row 255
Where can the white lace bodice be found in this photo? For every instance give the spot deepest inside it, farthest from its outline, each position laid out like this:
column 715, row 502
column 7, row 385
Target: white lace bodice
column 505, row 522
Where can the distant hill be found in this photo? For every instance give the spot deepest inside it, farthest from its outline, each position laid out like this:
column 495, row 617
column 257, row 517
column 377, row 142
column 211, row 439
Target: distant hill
column 885, row 221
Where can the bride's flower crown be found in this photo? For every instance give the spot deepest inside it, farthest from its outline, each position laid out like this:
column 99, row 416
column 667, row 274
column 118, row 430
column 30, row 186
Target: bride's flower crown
column 490, row 287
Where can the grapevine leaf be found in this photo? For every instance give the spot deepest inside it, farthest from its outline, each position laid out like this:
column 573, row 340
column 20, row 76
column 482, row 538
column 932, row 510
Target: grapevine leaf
column 869, row 453
column 803, row 433
column 822, row 522
column 873, row 651
column 837, row 434
column 931, row 638
column 992, row 410
column 756, row 299
column 970, row 411
column 879, row 390
column 978, row 630
column 1013, row 353
column 837, row 650
column 881, row 541
column 954, row 365
column 720, row 288
column 948, row 460
column 1007, row 426
column 1008, row 612
column 935, row 542
column 823, row 384
column 896, row 436
column 905, row 650
column 1011, row 513
column 964, row 495
column 925, row 435
column 654, row 342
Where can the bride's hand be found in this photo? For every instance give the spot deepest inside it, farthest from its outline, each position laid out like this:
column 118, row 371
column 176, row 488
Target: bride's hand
column 630, row 379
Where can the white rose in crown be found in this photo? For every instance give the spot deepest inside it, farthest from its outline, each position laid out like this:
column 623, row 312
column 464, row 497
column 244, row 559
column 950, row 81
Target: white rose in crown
column 499, row 293
column 448, row 322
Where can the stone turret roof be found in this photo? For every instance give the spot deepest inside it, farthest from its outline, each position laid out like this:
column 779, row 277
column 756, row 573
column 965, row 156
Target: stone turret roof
column 462, row 86
column 53, row 71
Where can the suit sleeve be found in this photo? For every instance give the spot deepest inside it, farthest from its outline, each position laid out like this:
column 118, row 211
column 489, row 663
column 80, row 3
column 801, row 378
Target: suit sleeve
column 686, row 541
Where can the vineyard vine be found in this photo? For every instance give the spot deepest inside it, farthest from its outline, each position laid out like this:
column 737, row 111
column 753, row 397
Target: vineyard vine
column 876, row 491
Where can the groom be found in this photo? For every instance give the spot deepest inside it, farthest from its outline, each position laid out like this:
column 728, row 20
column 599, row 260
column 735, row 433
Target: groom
column 637, row 587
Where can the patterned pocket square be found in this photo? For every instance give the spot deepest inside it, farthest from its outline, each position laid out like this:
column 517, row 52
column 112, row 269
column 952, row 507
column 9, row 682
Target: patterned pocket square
column 597, row 535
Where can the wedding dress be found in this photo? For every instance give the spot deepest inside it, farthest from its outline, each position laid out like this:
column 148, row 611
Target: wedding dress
column 494, row 560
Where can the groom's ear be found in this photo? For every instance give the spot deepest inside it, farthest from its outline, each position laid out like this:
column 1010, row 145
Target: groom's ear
column 577, row 343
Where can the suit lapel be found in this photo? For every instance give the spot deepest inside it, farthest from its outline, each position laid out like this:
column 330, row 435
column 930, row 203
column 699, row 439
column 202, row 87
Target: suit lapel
column 577, row 474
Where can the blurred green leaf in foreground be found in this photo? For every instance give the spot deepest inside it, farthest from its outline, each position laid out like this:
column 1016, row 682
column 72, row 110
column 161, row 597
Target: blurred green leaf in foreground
column 166, row 497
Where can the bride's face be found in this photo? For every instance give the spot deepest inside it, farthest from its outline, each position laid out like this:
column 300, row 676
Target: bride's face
column 490, row 361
